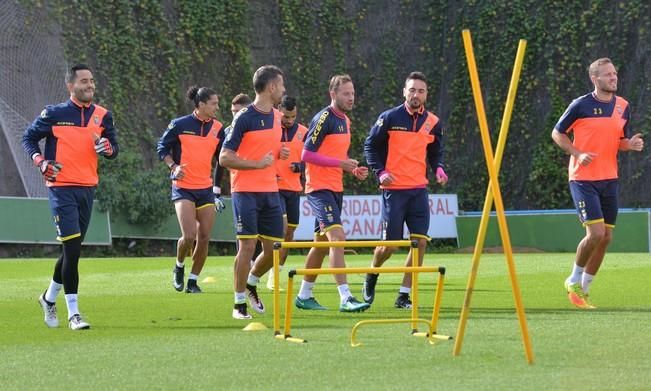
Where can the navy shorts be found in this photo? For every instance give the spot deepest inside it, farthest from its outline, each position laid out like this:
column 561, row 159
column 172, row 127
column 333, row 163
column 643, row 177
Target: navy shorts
column 405, row 206
column 258, row 214
column 71, row 208
column 326, row 206
column 290, row 202
column 596, row 201
column 201, row 197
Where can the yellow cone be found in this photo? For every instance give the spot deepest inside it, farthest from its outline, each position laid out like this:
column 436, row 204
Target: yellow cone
column 255, row 326
column 209, row 280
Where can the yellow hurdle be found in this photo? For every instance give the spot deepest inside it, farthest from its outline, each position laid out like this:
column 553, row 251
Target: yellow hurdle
column 415, row 270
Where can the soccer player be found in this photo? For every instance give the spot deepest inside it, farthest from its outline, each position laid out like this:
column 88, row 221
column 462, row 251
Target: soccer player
column 399, row 146
column 188, row 147
column 326, row 156
column 599, row 121
column 75, row 133
column 289, row 174
column 239, row 102
column 250, row 149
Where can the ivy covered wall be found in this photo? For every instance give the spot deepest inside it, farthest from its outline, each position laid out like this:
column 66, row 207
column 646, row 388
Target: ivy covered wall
column 146, row 53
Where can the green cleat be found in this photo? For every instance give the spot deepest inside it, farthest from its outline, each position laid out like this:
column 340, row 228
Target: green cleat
column 308, row 304
column 577, row 297
column 353, row 305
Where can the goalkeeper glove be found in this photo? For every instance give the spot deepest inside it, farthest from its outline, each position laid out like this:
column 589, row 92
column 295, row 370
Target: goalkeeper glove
column 103, row 147
column 295, row 167
column 219, row 203
column 49, row 168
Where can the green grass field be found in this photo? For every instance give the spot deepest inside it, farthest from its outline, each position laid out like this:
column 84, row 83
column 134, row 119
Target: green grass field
column 145, row 335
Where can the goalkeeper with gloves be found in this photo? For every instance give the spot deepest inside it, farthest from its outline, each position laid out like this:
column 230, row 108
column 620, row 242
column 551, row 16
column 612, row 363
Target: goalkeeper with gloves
column 75, row 133
column 188, row 148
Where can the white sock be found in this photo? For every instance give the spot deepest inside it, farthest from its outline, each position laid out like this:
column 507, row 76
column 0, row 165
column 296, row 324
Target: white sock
column 344, row 292
column 586, row 280
column 577, row 272
column 306, row 290
column 240, row 297
column 252, row 280
column 404, row 289
column 71, row 303
column 193, row 276
column 179, row 264
column 53, row 291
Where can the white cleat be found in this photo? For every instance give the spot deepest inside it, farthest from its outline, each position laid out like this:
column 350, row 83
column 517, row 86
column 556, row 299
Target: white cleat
column 77, row 323
column 50, row 312
column 254, row 299
column 240, row 312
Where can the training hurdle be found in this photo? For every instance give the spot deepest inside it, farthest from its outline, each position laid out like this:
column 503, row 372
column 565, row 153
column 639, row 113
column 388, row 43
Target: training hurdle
column 415, row 270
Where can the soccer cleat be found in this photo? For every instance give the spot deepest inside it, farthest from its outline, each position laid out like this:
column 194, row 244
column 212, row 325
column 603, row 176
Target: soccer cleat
column 254, row 299
column 403, row 301
column 240, row 312
column 50, row 312
column 177, row 279
column 270, row 282
column 192, row 287
column 308, row 304
column 368, row 291
column 576, row 295
column 588, row 303
column 77, row 323
column 353, row 305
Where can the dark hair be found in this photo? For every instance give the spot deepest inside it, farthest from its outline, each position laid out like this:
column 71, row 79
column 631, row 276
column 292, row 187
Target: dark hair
column 337, row 80
column 241, row 99
column 288, row 102
column 416, row 76
column 196, row 94
column 71, row 73
column 264, row 75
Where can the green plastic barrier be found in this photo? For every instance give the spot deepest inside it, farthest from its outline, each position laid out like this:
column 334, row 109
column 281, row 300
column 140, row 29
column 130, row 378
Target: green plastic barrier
column 223, row 230
column 29, row 220
column 558, row 232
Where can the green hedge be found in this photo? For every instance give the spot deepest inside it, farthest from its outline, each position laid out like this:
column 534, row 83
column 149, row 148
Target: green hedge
column 147, row 53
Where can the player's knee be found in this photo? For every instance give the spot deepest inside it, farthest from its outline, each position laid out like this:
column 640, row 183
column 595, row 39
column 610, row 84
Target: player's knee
column 188, row 237
column 203, row 237
column 596, row 236
column 607, row 238
column 386, row 251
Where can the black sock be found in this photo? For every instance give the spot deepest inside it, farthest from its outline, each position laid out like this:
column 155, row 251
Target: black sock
column 70, row 265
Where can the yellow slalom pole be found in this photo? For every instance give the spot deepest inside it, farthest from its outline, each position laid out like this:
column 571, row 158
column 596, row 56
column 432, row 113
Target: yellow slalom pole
column 276, row 271
column 497, row 195
column 488, row 200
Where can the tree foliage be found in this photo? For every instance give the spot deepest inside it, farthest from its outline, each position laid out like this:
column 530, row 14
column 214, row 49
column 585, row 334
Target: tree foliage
column 147, row 53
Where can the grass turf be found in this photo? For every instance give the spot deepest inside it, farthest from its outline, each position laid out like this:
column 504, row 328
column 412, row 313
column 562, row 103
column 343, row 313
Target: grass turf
column 146, row 335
